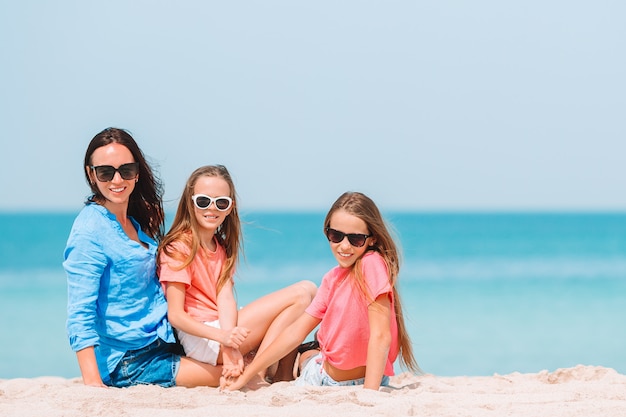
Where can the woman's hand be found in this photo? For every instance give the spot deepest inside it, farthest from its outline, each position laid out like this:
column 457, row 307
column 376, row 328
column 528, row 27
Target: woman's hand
column 89, row 367
column 95, row 383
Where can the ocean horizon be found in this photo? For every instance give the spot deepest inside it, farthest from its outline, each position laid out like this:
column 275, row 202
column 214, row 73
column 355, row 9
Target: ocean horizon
column 483, row 292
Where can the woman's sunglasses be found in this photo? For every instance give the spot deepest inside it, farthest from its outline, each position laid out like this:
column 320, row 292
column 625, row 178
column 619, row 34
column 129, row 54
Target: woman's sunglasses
column 204, row 201
column 105, row 173
column 355, row 239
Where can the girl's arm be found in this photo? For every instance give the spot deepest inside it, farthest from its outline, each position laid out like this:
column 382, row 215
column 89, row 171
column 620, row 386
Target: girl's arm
column 227, row 313
column 227, row 307
column 89, row 367
column 180, row 319
column 379, row 314
column 287, row 341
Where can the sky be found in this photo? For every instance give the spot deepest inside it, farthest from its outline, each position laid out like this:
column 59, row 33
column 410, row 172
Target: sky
column 422, row 105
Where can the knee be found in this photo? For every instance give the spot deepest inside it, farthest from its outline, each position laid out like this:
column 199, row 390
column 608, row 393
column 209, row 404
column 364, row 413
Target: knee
column 306, row 291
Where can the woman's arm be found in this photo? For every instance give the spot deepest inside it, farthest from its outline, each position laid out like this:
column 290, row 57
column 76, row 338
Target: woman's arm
column 89, row 367
column 180, row 319
column 287, row 341
column 379, row 314
column 84, row 265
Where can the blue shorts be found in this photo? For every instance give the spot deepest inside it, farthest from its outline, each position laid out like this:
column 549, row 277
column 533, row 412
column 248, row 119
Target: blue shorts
column 155, row 364
column 314, row 374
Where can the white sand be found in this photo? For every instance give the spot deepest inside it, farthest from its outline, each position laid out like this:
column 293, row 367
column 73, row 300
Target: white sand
column 580, row 391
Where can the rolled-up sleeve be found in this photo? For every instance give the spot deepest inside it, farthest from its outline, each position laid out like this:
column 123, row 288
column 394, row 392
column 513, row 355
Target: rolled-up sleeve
column 84, row 265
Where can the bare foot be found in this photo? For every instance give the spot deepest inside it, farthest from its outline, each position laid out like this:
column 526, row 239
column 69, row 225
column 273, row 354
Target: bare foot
column 257, row 382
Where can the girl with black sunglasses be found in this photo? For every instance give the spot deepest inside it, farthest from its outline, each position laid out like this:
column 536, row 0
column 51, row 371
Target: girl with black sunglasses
column 197, row 261
column 357, row 307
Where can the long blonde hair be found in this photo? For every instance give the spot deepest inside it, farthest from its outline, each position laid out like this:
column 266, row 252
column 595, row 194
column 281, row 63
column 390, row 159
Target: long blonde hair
column 184, row 227
column 361, row 206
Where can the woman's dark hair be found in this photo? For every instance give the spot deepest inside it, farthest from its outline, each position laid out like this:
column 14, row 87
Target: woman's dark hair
column 146, row 200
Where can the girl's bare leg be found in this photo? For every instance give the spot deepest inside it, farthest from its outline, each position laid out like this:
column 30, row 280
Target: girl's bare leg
column 283, row 369
column 194, row 374
column 268, row 316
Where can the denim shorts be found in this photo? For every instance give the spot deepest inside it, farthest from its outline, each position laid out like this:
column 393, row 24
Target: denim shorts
column 155, row 364
column 314, row 374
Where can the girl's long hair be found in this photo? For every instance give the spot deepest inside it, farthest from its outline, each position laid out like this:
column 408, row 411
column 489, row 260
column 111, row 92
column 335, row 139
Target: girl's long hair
column 146, row 201
column 184, row 227
column 361, row 206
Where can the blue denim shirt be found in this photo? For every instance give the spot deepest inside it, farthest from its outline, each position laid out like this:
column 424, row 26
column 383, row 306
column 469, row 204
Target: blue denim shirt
column 115, row 301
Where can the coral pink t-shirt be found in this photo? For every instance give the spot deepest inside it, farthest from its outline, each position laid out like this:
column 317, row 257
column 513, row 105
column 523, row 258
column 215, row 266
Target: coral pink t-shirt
column 200, row 276
column 344, row 329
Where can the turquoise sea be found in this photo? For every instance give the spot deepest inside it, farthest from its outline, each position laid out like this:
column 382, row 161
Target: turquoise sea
column 483, row 293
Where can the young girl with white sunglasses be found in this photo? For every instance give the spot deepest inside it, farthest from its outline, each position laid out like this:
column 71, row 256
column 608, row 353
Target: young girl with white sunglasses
column 197, row 261
column 357, row 307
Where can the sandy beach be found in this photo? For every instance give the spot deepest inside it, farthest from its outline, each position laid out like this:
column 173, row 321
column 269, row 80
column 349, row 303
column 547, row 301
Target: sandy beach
column 579, row 391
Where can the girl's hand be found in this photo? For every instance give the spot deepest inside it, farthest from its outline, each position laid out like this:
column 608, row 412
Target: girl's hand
column 232, row 362
column 235, row 337
column 231, row 383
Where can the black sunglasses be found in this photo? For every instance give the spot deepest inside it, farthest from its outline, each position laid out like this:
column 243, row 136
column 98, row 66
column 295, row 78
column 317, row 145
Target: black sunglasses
column 204, row 201
column 355, row 239
column 105, row 173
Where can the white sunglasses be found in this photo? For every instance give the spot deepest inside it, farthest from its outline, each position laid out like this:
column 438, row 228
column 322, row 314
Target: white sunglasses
column 204, row 201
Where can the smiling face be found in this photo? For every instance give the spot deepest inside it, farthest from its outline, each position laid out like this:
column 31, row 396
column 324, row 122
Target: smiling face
column 211, row 218
column 344, row 252
column 117, row 191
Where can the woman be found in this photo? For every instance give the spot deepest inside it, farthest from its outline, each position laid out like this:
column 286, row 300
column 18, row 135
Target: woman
column 117, row 314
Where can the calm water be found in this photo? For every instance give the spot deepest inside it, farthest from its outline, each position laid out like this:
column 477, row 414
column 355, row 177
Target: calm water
column 483, row 293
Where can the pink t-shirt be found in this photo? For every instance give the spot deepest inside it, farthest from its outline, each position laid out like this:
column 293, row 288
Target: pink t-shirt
column 344, row 329
column 201, row 277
